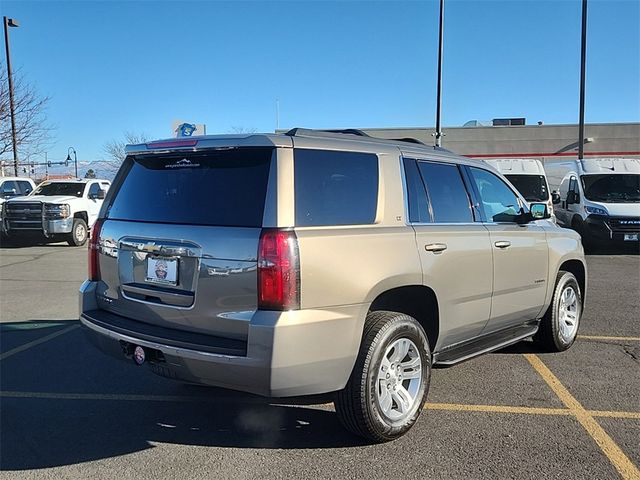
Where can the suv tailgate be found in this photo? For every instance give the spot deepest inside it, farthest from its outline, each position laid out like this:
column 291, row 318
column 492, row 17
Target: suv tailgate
column 178, row 247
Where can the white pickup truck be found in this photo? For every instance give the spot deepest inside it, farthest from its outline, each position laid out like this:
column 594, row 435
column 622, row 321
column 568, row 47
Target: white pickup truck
column 57, row 209
column 11, row 187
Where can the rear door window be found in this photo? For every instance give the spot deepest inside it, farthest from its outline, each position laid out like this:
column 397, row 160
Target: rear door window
column 217, row 188
column 335, row 188
column 447, row 193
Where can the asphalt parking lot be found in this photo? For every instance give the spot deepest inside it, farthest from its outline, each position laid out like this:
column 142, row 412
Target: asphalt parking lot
column 67, row 411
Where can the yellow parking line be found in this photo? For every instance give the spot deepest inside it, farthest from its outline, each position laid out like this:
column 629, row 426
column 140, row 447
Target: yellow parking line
column 609, row 414
column 455, row 407
column 497, row 409
column 616, row 456
column 610, row 339
column 27, row 346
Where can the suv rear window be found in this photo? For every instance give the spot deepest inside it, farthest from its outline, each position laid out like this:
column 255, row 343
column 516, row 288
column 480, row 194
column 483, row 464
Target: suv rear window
column 335, row 188
column 217, row 188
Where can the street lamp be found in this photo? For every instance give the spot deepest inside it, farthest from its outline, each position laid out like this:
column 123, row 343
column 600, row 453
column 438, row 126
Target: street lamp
column 75, row 158
column 11, row 22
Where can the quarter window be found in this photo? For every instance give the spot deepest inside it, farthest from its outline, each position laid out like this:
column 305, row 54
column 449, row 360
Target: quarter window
column 335, row 188
column 416, row 194
column 498, row 201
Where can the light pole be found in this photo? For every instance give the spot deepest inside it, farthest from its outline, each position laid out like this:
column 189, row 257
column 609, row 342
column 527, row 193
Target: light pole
column 75, row 158
column 11, row 22
column 583, row 62
column 438, row 134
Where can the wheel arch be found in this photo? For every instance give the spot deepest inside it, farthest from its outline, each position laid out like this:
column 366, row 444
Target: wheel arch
column 417, row 301
column 578, row 269
column 82, row 215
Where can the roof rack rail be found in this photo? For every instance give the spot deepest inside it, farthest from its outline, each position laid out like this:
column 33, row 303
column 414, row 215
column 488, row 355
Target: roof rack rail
column 309, row 131
column 408, row 140
column 442, row 149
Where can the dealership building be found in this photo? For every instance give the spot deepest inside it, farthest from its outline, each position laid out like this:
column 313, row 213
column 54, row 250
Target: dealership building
column 511, row 138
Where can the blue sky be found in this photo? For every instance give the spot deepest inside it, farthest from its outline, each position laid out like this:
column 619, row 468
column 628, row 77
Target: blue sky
column 139, row 65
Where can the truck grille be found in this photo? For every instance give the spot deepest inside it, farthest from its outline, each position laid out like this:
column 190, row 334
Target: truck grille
column 625, row 224
column 23, row 216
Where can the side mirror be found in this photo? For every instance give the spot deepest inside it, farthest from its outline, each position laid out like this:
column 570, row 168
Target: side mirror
column 573, row 197
column 101, row 194
column 555, row 198
column 539, row 211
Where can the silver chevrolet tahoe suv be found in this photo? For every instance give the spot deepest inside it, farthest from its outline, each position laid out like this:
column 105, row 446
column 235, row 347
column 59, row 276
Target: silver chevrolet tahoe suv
column 314, row 262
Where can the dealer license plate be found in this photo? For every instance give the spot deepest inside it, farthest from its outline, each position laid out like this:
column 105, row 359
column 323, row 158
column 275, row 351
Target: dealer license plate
column 633, row 237
column 162, row 270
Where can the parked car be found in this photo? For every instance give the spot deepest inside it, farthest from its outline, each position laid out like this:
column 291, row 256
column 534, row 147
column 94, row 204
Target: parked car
column 599, row 198
column 56, row 209
column 11, row 187
column 351, row 265
column 528, row 176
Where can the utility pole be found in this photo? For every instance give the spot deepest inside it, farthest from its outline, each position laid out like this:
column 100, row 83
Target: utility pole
column 438, row 134
column 11, row 22
column 583, row 62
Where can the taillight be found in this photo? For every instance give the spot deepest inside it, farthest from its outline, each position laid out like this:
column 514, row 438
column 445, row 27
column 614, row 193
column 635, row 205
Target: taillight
column 94, row 266
column 278, row 271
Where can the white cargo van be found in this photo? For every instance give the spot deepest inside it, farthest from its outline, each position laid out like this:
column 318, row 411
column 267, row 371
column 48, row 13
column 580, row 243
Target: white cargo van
column 528, row 176
column 599, row 198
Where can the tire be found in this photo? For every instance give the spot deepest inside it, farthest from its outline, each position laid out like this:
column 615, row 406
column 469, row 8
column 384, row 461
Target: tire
column 363, row 406
column 559, row 326
column 79, row 233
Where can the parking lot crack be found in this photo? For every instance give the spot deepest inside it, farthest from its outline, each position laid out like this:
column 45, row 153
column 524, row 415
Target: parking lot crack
column 633, row 352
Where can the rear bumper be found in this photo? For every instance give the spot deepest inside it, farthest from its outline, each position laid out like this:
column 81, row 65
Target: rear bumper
column 294, row 353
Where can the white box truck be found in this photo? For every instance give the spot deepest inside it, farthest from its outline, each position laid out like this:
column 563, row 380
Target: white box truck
column 599, row 198
column 529, row 178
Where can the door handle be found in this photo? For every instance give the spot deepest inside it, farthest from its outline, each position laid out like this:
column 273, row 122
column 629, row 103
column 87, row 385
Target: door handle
column 503, row 244
column 435, row 247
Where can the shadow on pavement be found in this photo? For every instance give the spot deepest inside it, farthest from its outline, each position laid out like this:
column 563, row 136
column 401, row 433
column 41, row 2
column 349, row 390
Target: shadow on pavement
column 48, row 433
column 14, row 244
column 15, row 334
column 92, row 407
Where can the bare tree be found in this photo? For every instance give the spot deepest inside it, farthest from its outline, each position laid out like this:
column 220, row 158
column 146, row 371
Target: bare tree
column 32, row 130
column 115, row 149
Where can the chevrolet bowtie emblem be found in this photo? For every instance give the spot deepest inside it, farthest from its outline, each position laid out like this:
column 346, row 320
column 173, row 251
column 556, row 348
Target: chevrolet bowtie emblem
column 150, row 247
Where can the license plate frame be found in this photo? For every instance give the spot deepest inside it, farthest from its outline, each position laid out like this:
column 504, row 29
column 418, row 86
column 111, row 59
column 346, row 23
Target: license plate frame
column 631, row 237
column 162, row 270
